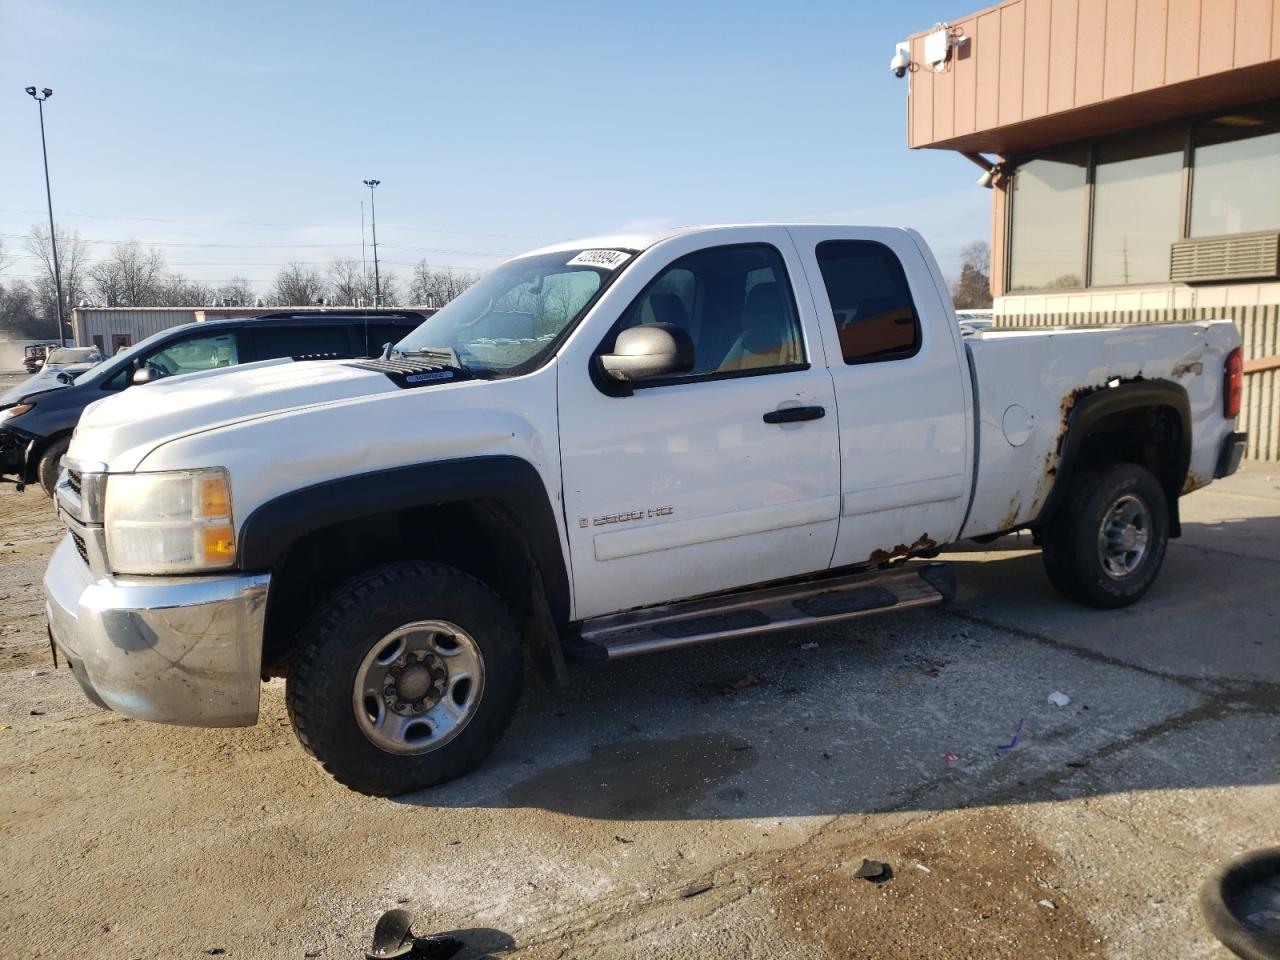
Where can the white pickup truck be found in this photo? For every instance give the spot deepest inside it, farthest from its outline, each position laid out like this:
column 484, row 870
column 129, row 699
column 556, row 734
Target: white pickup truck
column 605, row 448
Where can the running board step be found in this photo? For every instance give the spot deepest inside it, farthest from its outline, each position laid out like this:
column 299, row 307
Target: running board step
column 761, row 611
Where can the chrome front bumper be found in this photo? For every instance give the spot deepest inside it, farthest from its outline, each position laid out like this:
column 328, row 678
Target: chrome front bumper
column 185, row 650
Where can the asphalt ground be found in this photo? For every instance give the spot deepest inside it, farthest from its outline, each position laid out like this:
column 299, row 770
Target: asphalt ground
column 763, row 771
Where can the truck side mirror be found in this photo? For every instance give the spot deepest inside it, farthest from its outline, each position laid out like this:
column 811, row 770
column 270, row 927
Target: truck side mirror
column 143, row 375
column 649, row 350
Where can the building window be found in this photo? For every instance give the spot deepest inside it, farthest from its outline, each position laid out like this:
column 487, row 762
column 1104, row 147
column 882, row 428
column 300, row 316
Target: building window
column 1236, row 185
column 120, row 341
column 1047, row 231
column 1137, row 196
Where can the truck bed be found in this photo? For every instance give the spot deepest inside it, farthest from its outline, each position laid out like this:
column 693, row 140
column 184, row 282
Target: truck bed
column 1026, row 383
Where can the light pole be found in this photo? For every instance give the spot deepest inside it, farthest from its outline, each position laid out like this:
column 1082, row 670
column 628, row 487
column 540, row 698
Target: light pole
column 53, row 239
column 373, row 213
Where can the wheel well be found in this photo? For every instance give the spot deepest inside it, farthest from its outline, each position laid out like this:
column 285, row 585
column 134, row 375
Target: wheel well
column 1151, row 436
column 32, row 466
column 481, row 537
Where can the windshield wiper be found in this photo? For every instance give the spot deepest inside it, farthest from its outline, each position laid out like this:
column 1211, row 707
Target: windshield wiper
column 448, row 355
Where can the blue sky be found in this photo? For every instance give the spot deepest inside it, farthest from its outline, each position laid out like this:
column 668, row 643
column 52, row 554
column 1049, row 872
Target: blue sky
column 493, row 127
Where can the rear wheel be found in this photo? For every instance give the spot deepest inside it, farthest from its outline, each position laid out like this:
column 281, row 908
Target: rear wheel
column 1107, row 542
column 50, row 463
column 406, row 677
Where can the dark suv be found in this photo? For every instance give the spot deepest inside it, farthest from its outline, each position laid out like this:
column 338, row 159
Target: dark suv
column 36, row 424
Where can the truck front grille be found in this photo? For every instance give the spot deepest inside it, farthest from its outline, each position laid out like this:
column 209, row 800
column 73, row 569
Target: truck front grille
column 80, row 546
column 73, row 481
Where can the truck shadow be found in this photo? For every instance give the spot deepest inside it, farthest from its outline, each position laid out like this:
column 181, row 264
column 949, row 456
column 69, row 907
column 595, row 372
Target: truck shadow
column 931, row 709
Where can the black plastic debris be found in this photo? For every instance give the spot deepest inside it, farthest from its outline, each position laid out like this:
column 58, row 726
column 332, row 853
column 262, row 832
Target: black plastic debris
column 393, row 937
column 695, row 889
column 874, row 871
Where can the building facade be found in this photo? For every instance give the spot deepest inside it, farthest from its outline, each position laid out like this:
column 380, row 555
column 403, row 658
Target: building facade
column 1133, row 150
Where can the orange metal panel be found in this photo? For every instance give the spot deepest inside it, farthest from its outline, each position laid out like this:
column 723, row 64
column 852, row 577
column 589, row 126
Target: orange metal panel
column 986, row 48
column 964, row 78
column 1253, row 32
column 921, row 97
column 1035, row 62
column 1149, row 45
column 1090, row 48
column 1117, row 75
column 1062, row 55
column 1012, row 20
column 1275, row 29
column 1182, row 40
column 944, row 101
column 1217, row 35
column 999, row 200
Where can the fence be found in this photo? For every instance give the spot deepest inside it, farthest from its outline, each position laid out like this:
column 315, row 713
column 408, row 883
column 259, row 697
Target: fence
column 1259, row 327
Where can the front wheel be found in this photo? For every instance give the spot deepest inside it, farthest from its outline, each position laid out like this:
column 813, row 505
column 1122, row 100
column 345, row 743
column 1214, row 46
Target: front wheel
column 50, row 463
column 406, row 677
column 1105, row 545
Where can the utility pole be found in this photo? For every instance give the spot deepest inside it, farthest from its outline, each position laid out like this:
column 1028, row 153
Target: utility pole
column 48, row 193
column 364, row 261
column 373, row 213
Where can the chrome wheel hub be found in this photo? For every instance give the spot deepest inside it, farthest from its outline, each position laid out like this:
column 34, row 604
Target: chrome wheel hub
column 1124, row 536
column 418, row 686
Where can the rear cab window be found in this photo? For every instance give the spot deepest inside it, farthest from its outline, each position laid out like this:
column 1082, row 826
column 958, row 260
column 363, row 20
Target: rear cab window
column 876, row 319
column 301, row 340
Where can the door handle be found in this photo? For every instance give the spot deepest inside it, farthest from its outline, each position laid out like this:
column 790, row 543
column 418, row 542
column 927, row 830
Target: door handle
column 795, row 414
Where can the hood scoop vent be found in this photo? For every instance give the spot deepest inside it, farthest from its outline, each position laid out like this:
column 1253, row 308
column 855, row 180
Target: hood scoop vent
column 412, row 373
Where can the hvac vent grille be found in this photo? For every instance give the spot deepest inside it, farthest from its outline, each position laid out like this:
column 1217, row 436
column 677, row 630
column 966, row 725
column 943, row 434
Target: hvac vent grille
column 1245, row 256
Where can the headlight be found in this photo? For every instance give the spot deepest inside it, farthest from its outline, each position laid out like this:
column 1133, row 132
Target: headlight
column 17, row 410
column 178, row 521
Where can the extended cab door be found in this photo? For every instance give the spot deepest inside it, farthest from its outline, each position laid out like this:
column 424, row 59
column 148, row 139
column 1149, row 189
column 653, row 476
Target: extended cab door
column 694, row 484
column 901, row 388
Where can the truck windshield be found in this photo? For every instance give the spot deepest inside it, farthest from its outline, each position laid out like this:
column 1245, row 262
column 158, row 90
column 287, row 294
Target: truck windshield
column 507, row 322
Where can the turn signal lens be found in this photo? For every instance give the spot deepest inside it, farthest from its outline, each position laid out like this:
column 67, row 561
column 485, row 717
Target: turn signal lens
column 219, row 544
column 215, row 498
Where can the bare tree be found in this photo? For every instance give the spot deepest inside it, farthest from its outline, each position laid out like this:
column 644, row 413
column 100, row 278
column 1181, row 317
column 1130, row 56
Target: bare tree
column 238, row 290
column 391, row 289
column 129, row 277
column 348, row 283
column 972, row 290
column 176, row 290
column 432, row 286
column 72, row 268
column 297, row 285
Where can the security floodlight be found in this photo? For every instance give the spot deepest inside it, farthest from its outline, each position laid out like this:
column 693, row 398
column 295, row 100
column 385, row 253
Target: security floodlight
column 989, row 176
column 31, row 91
column 47, row 93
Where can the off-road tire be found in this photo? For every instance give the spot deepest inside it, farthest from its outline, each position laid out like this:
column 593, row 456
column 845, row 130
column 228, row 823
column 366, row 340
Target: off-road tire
column 332, row 644
column 49, row 465
column 1070, row 541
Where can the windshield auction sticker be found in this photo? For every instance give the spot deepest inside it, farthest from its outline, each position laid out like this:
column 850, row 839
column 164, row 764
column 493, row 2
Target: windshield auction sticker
column 604, row 259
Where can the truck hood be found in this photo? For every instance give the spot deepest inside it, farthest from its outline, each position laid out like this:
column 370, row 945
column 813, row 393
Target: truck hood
column 120, row 430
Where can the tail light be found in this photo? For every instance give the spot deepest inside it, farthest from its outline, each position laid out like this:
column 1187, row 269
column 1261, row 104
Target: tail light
column 1232, row 383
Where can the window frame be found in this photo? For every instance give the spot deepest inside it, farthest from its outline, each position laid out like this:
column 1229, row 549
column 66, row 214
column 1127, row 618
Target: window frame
column 1187, row 125
column 610, row 387
column 918, row 328
column 136, row 363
